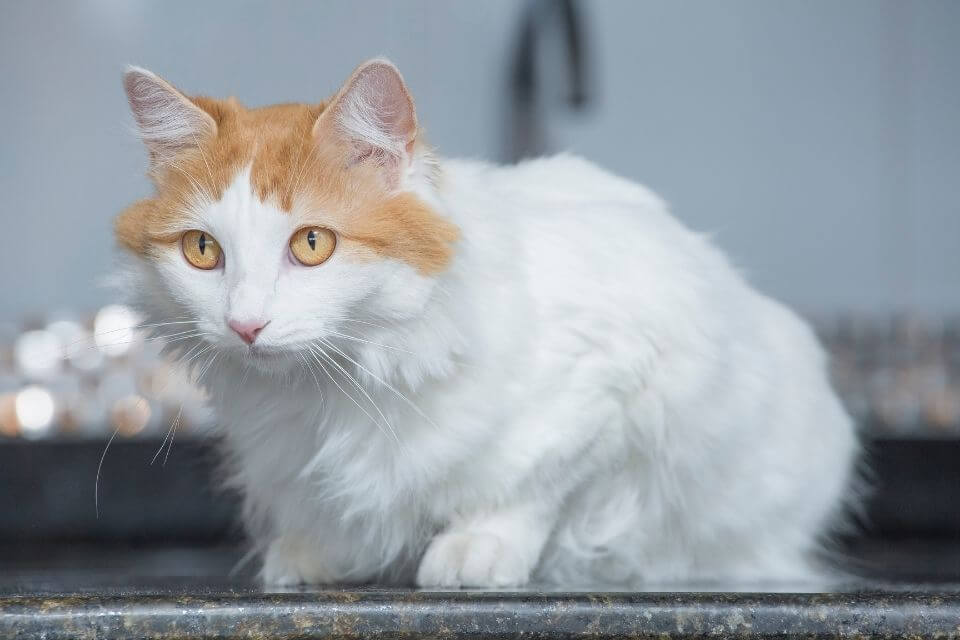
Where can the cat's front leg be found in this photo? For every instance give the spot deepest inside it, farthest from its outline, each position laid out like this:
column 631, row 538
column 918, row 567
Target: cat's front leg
column 497, row 549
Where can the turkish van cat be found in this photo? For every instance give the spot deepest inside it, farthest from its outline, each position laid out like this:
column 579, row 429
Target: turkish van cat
column 450, row 373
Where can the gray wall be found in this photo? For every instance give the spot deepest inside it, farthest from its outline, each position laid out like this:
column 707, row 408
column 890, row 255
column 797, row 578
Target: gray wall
column 819, row 141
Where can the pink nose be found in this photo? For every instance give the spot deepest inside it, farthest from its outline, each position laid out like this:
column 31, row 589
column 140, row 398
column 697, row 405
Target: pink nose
column 247, row 330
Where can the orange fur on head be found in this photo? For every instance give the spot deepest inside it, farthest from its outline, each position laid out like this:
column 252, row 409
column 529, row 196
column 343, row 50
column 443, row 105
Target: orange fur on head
column 311, row 173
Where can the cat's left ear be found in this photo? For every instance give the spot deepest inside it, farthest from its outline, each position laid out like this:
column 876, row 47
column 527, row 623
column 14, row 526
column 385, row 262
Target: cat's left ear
column 169, row 121
column 374, row 117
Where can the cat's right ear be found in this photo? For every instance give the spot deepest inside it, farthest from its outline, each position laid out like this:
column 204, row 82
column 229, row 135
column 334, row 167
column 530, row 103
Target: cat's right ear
column 168, row 121
column 374, row 117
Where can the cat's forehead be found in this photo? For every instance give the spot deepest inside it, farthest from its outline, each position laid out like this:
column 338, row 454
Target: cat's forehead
column 272, row 142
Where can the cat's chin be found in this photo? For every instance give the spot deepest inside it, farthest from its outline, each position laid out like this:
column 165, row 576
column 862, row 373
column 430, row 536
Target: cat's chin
column 269, row 361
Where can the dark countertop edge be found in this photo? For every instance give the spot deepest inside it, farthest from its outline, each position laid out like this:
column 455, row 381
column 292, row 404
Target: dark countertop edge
column 403, row 614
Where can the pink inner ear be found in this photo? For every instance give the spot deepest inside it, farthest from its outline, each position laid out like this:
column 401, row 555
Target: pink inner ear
column 364, row 152
column 393, row 103
column 168, row 120
column 376, row 114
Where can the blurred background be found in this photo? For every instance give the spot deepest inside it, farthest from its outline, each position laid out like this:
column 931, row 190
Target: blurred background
column 817, row 141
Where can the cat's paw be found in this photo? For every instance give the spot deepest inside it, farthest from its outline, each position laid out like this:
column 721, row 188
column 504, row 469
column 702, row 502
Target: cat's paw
column 288, row 564
column 472, row 560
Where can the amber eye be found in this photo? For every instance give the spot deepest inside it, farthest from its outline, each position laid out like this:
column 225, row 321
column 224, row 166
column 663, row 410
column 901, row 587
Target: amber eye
column 201, row 249
column 311, row 246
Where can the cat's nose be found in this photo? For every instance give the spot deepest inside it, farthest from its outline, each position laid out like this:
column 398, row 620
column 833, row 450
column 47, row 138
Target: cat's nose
column 248, row 330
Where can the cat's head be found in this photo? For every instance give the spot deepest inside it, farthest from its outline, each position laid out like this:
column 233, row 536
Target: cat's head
column 277, row 230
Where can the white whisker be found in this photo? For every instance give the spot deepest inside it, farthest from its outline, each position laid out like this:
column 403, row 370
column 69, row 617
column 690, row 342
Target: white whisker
column 96, row 482
column 173, row 428
column 343, row 391
column 100, row 334
column 370, row 324
column 194, row 356
column 370, row 342
column 409, row 402
column 303, row 359
column 207, row 366
column 360, row 388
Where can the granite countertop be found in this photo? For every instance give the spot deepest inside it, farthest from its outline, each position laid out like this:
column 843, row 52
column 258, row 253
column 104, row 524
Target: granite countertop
column 409, row 614
column 108, row 591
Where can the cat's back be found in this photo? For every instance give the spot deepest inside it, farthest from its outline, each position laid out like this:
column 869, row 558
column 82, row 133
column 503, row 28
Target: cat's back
column 580, row 237
column 563, row 180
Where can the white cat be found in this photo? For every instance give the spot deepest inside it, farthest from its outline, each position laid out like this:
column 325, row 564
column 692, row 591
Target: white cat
column 460, row 374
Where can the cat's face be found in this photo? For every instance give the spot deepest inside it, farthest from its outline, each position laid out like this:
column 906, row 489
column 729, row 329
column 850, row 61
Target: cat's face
column 278, row 230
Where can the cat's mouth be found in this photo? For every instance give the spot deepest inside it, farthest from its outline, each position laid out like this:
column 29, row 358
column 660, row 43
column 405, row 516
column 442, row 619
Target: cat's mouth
column 262, row 352
column 267, row 358
column 257, row 351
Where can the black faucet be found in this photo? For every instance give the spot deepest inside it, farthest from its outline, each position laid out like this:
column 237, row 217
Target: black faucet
column 526, row 135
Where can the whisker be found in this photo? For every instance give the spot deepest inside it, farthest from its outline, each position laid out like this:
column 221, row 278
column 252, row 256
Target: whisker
column 98, row 334
column 170, row 446
column 343, row 391
column 96, row 482
column 409, row 402
column 183, row 335
column 371, row 324
column 160, row 336
column 312, row 373
column 360, row 388
column 136, row 327
column 179, row 360
column 207, row 366
column 173, row 427
column 370, row 342
column 455, row 359
column 173, row 432
column 192, row 333
column 76, row 352
column 194, row 356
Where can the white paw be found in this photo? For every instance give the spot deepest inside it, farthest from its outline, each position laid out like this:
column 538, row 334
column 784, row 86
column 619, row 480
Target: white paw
column 289, row 564
column 471, row 560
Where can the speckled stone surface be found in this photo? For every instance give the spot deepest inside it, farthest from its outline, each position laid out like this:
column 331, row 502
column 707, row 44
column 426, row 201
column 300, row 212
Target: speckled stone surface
column 408, row 614
column 106, row 591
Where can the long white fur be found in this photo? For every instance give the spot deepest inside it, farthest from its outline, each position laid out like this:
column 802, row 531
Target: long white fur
column 589, row 394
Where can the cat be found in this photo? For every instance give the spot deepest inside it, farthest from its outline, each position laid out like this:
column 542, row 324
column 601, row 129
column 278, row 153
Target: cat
column 453, row 374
